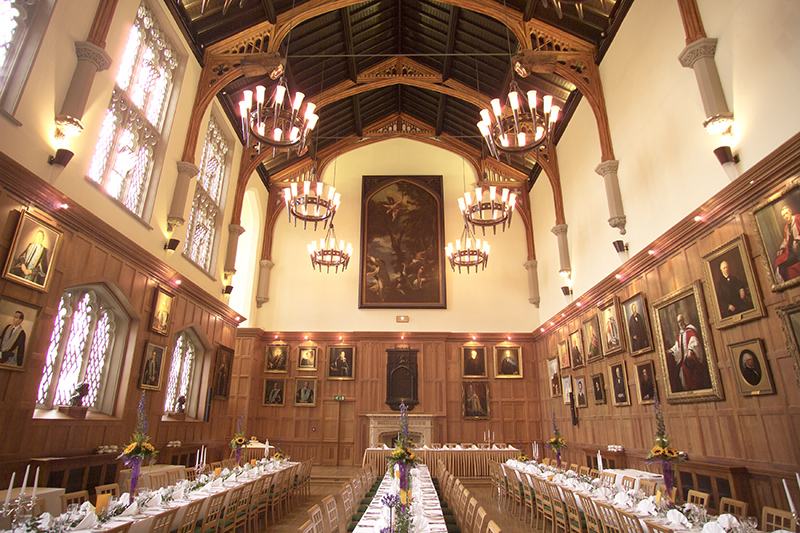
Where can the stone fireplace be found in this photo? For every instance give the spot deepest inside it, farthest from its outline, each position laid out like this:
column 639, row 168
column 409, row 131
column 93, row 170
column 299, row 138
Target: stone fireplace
column 383, row 428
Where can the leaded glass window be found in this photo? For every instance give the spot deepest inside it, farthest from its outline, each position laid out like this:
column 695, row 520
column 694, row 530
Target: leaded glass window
column 132, row 128
column 208, row 197
column 180, row 372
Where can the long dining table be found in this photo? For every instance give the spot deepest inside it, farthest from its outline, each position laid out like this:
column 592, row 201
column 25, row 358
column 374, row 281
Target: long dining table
column 460, row 462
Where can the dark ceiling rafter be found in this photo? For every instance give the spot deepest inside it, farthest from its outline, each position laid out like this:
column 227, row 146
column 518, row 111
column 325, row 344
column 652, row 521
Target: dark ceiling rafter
column 451, row 42
column 357, row 115
column 269, row 11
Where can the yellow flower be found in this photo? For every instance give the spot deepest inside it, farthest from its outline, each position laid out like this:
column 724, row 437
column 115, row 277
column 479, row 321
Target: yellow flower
column 657, row 450
column 669, row 452
column 239, row 441
column 561, row 441
column 149, row 447
column 411, row 456
column 129, row 448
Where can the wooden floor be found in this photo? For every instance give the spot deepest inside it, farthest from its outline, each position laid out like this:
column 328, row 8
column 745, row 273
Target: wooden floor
column 327, row 480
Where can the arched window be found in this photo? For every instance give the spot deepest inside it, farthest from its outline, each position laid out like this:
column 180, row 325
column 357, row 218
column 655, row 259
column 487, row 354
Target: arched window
column 185, row 373
column 86, row 345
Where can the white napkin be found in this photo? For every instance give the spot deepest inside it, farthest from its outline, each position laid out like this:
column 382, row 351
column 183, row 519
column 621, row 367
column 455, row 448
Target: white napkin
column 605, row 492
column 125, row 499
column 380, row 524
column 495, row 447
column 178, row 494
column 571, row 473
column 385, row 447
column 647, row 507
column 88, row 522
column 558, row 478
column 474, row 447
column 713, row 527
column 622, row 499
column 584, row 486
column 458, row 447
column 676, row 517
column 225, row 472
column 421, row 524
column 155, row 501
column 87, row 507
column 425, row 447
column 131, row 510
column 728, row 521
column 217, row 482
column 44, row 520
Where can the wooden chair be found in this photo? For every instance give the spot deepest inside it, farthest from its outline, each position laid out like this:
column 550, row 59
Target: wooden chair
column 608, row 479
column 157, row 480
column 628, row 482
column 663, row 490
column 263, row 504
column 655, row 527
column 546, row 461
column 629, row 523
column 515, row 488
column 546, row 509
column 111, row 488
column 559, row 508
column 773, row 519
column 481, row 520
column 575, row 521
column 162, row 523
column 734, row 507
column 469, row 520
column 595, row 473
column 189, row 520
column 256, row 493
column 173, row 476
column 583, row 470
column 123, row 528
column 243, row 507
column 590, row 514
column 308, row 527
column 574, row 467
column 529, row 500
column 228, row 463
column 276, row 496
column 213, row 512
column 73, row 498
column 315, row 514
column 191, row 473
column 332, row 513
column 227, row 522
column 698, row 498
column 461, row 511
column 492, row 527
column 608, row 517
column 648, row 487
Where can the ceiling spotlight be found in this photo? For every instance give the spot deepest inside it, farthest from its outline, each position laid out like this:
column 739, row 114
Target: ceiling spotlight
column 541, row 329
column 651, row 252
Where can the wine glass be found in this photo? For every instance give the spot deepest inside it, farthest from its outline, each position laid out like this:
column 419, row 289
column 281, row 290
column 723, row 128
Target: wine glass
column 751, row 523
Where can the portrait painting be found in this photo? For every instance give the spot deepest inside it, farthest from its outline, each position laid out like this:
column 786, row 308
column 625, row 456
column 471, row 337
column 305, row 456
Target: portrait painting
column 591, row 339
column 563, row 354
column 734, row 290
column 402, row 243
column 566, row 387
column 599, row 388
column 274, row 392
column 307, row 358
column 777, row 224
column 646, row 382
column 222, row 373
column 749, row 364
column 305, row 392
column 32, row 256
column 277, row 358
column 473, row 361
column 341, row 358
column 610, row 331
column 619, row 384
column 684, row 346
column 16, row 321
column 152, row 367
column 576, row 349
column 581, row 392
column 162, row 311
column 554, row 376
column 637, row 325
column 507, row 361
column 475, row 404
column 790, row 322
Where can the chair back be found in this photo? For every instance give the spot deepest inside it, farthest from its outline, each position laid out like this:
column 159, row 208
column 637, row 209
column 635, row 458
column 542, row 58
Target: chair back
column 73, row 498
column 608, row 478
column 191, row 473
column 595, row 473
column 358, row 491
column 628, row 482
column 174, row 475
column 574, row 467
column 608, row 517
column 189, row 520
column 469, row 521
column 698, row 498
column 315, row 514
column 546, row 461
column 111, row 488
column 228, row 520
column 493, row 527
column 593, row 523
column 162, row 523
column 648, row 487
column 211, row 519
column 481, row 520
column 573, row 511
column 308, row 527
column 332, row 513
column 655, row 527
column 734, row 507
column 347, row 500
column 157, row 480
column 773, row 519
column 663, row 489
column 559, row 508
column 583, row 470
column 122, row 528
column 629, row 523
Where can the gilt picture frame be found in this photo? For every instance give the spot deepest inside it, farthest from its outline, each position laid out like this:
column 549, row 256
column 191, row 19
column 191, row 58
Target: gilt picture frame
column 17, row 321
column 341, row 362
column 576, row 354
column 152, row 367
column 611, row 331
column 307, row 358
column 162, row 311
column 32, row 257
column 276, row 359
column 554, row 376
column 223, row 367
column 751, row 368
column 563, row 355
column 734, row 289
column 598, row 388
column 593, row 349
column 274, row 394
column 618, row 378
column 637, row 325
column 507, row 361
column 475, row 400
column 790, row 322
column 646, row 386
column 773, row 218
column 474, row 362
column 305, row 392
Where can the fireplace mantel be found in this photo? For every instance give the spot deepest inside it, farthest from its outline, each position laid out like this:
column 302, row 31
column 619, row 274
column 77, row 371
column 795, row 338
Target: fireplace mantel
column 385, row 426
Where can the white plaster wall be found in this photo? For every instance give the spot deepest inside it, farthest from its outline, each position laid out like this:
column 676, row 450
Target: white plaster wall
column 495, row 300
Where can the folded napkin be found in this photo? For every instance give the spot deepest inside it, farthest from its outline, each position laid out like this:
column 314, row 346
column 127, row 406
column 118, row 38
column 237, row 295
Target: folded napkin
column 88, row 522
column 584, row 486
column 178, row 494
column 571, row 473
column 647, row 507
column 425, row 447
column 495, row 447
column 458, row 447
column 727, row 521
column 622, row 499
column 385, row 447
column 421, row 524
column 474, row 447
column 379, row 524
column 217, row 482
column 44, row 521
column 131, row 510
column 87, row 507
column 676, row 517
column 225, row 472
column 605, row 492
column 125, row 499
column 713, row 527
column 155, row 501
column 558, row 478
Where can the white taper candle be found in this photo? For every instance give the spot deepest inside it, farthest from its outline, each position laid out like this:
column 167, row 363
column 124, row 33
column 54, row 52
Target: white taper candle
column 25, row 481
column 789, row 496
column 10, row 486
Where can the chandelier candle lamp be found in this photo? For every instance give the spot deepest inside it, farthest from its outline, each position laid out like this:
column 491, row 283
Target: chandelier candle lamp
column 330, row 254
column 311, row 204
column 468, row 252
column 485, row 209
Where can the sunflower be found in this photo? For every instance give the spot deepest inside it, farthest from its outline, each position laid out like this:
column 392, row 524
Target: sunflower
column 411, row 456
column 129, row 449
column 657, row 450
column 149, row 447
column 240, row 441
column 669, row 452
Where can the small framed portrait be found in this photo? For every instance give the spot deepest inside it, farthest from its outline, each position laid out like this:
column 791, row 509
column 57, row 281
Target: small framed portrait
column 610, row 330
column 305, row 392
column 32, row 257
column 274, row 392
column 599, row 388
column 307, row 358
column 646, row 382
column 580, row 392
column 563, row 354
column 16, row 321
column 277, row 357
column 684, row 346
column 554, row 376
column 162, row 311
column 152, row 367
column 473, row 361
column 341, row 358
column 790, row 321
column 591, row 339
column 637, row 325
column 777, row 223
column 749, row 363
column 734, row 291
column 619, row 384
column 222, row 373
column 566, row 387
column 576, row 349
column 475, row 404
column 507, row 361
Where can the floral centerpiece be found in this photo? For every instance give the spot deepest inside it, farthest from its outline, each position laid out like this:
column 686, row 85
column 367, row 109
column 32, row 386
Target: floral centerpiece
column 279, row 454
column 662, row 452
column 139, row 450
column 522, row 458
column 238, row 442
column 557, row 442
column 403, row 457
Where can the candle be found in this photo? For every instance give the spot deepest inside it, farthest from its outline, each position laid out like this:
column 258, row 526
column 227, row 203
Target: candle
column 599, row 461
column 35, row 483
column 25, row 481
column 798, row 480
column 10, row 486
column 789, row 496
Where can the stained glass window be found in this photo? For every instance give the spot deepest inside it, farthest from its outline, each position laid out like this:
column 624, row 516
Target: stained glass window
column 131, row 130
column 208, row 197
column 180, row 372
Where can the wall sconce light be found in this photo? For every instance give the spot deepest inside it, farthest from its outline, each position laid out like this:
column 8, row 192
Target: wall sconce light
column 622, row 249
column 61, row 158
column 227, row 290
column 567, row 291
column 172, row 245
column 728, row 160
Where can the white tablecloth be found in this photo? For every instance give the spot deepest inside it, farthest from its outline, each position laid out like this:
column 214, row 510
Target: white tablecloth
column 637, row 475
column 50, row 495
column 124, row 478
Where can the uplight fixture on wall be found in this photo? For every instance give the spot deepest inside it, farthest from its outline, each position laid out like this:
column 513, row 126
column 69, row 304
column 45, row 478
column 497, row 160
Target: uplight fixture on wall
column 227, row 290
column 728, row 160
column 62, row 158
column 172, row 245
column 622, row 249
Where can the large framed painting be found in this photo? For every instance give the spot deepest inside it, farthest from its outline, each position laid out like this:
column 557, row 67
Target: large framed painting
column 637, row 325
column 162, row 311
column 402, row 243
column 307, row 358
column 591, row 339
column 554, row 376
column 749, row 363
column 566, row 388
column 17, row 320
column 790, row 320
column 277, row 358
column 152, row 367
column 305, row 392
column 735, row 293
column 646, row 382
column 610, row 331
column 563, row 354
column 599, row 388
column 580, row 392
column 32, row 257
column 576, row 349
column 507, row 361
column 619, row 384
column 684, row 346
column 473, row 361
column 341, row 358
column 274, row 392
column 777, row 224
column 222, row 373
column 475, row 404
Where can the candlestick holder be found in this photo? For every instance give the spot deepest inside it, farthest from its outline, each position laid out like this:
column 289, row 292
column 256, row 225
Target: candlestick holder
column 20, row 508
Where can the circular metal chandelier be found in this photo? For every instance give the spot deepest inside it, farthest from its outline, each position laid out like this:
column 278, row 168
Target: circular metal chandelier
column 311, row 204
column 485, row 209
column 474, row 253
column 330, row 254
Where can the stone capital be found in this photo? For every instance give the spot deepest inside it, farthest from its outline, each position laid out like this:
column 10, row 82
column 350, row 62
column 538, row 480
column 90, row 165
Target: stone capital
column 174, row 222
column 607, row 167
column 187, row 169
column 619, row 223
column 697, row 50
column 559, row 230
column 87, row 51
column 235, row 229
column 531, row 264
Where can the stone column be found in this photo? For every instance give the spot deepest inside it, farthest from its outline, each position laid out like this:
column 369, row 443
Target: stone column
column 186, row 171
column 234, row 231
column 533, row 282
column 699, row 56
column 616, row 213
column 91, row 60
column 560, row 231
column 262, row 293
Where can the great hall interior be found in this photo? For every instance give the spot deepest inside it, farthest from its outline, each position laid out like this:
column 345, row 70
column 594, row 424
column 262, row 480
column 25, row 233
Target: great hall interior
column 650, row 257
